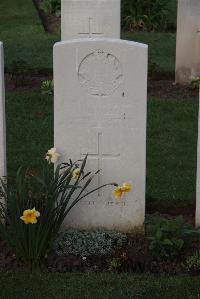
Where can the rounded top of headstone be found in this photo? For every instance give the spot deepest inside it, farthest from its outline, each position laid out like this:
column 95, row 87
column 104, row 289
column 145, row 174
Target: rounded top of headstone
column 98, row 40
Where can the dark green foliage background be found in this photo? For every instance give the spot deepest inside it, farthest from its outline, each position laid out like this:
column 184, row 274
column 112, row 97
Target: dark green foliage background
column 150, row 15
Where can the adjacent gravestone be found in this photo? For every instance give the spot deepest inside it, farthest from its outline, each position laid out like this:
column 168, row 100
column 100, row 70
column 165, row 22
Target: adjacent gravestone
column 188, row 41
column 100, row 109
column 198, row 176
column 2, row 116
column 90, row 18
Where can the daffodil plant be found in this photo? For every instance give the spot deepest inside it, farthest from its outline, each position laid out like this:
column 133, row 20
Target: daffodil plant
column 38, row 204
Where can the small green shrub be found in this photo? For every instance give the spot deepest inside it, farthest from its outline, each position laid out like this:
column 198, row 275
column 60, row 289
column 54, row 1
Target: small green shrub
column 51, row 7
column 192, row 263
column 144, row 15
column 47, row 87
column 195, row 83
column 85, row 243
column 170, row 236
column 115, row 264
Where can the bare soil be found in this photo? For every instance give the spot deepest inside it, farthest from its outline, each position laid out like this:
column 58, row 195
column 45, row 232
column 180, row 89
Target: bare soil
column 163, row 89
column 31, row 83
column 135, row 257
column 167, row 89
column 185, row 209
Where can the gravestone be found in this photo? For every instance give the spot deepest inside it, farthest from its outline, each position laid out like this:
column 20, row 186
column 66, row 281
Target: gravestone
column 198, row 176
column 188, row 41
column 100, row 109
column 90, row 18
column 2, row 116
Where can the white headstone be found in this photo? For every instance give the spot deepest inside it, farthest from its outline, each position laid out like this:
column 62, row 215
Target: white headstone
column 198, row 176
column 2, row 116
column 100, row 109
column 188, row 41
column 90, row 18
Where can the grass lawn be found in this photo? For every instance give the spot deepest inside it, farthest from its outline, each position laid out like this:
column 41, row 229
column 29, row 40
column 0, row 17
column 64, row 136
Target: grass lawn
column 171, row 141
column 25, row 39
column 171, row 149
column 23, row 35
column 97, row 286
column 162, row 49
column 29, row 128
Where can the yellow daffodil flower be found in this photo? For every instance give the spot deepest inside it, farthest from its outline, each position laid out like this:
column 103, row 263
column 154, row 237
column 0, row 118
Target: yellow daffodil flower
column 76, row 173
column 30, row 216
column 127, row 187
column 118, row 192
column 52, row 155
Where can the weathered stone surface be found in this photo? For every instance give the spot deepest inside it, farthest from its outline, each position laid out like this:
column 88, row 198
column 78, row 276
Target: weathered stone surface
column 90, row 18
column 2, row 116
column 188, row 41
column 100, row 109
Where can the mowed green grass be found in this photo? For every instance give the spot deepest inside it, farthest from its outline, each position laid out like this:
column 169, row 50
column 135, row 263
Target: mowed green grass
column 171, row 141
column 162, row 49
column 23, row 35
column 172, row 150
column 29, row 119
column 97, row 286
column 24, row 38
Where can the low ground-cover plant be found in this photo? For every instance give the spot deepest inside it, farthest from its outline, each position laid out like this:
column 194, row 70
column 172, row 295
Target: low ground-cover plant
column 192, row 263
column 88, row 243
column 47, row 87
column 115, row 264
column 170, row 236
column 39, row 202
column 195, row 83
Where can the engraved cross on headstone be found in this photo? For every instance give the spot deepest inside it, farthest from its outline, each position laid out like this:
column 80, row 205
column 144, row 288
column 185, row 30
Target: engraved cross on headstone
column 90, row 31
column 100, row 156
